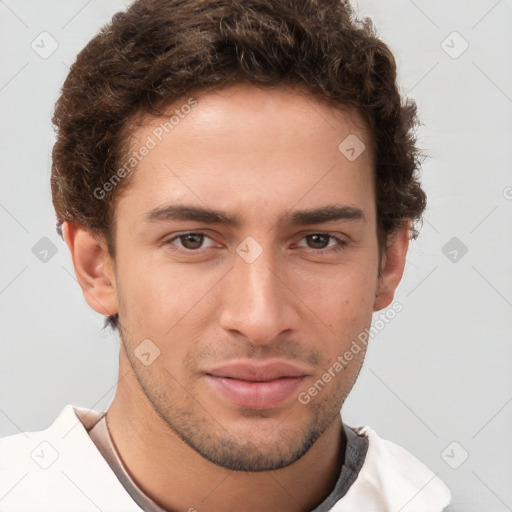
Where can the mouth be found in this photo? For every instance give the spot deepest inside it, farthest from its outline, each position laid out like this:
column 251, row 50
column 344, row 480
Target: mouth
column 257, row 386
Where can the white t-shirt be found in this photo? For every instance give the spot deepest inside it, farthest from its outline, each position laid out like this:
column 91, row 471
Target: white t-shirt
column 60, row 469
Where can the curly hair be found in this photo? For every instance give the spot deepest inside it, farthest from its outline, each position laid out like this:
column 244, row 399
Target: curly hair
column 159, row 51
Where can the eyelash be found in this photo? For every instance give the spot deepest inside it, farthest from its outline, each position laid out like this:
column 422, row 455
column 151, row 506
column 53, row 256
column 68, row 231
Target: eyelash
column 339, row 247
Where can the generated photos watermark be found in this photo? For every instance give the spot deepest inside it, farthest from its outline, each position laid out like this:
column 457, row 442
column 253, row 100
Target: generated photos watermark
column 151, row 142
column 356, row 346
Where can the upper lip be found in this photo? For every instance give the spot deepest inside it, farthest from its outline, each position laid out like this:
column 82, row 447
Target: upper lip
column 257, row 372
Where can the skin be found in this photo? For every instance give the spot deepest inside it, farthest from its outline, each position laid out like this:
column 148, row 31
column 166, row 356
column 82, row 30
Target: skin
column 258, row 154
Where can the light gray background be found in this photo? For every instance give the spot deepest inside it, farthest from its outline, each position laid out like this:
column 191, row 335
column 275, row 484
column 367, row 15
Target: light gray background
column 438, row 373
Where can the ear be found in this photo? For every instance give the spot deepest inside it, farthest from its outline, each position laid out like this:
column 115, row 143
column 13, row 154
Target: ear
column 94, row 268
column 392, row 266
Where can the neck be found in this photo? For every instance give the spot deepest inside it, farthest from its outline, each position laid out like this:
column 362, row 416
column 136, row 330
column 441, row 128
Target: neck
column 176, row 477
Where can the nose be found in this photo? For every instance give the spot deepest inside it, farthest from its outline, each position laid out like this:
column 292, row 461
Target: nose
column 258, row 300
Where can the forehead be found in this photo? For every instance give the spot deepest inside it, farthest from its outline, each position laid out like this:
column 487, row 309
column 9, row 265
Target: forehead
column 245, row 145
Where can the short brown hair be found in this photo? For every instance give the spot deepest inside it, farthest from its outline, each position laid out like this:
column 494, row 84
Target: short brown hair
column 158, row 51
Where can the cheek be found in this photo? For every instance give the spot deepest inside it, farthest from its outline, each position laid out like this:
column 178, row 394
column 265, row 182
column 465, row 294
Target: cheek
column 341, row 307
column 340, row 294
column 162, row 298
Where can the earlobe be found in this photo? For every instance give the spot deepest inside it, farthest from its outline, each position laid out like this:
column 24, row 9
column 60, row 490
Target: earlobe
column 93, row 268
column 392, row 266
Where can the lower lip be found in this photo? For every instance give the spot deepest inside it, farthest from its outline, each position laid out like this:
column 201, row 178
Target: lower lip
column 257, row 395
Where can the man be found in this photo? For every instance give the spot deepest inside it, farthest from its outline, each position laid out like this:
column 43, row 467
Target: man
column 236, row 182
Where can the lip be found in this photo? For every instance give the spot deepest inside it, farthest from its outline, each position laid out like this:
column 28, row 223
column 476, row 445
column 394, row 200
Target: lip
column 257, row 386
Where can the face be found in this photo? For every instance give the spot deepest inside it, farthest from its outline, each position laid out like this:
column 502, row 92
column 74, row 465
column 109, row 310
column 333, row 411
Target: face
column 246, row 252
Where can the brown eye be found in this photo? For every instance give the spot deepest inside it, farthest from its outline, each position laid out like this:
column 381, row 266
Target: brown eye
column 319, row 241
column 192, row 241
column 324, row 242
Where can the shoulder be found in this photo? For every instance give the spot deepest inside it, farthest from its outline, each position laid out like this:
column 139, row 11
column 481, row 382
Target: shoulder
column 58, row 468
column 19, row 449
column 391, row 479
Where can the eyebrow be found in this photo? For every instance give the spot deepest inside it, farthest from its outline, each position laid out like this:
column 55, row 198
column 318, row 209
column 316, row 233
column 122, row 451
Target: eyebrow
column 294, row 218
